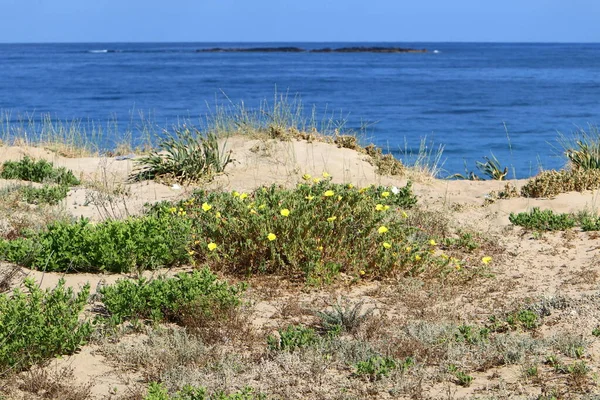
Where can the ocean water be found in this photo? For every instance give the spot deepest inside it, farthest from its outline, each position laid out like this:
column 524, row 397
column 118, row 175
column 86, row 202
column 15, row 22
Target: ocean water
column 474, row 99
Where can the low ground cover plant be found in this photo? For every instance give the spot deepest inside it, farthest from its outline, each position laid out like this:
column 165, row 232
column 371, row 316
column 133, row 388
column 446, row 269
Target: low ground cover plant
column 40, row 171
column 552, row 183
column 137, row 243
column 40, row 324
column 542, row 220
column 158, row 392
column 314, row 231
column 164, row 299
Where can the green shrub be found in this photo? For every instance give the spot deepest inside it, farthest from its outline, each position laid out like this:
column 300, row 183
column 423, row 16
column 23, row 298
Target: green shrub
column 147, row 242
column 314, row 231
column 163, row 298
column 158, row 392
column 37, row 171
column 36, row 325
column 524, row 318
column 50, row 195
column 552, row 183
column 542, row 220
column 186, row 156
column 346, row 318
column 378, row 367
column 294, row 337
column 589, row 222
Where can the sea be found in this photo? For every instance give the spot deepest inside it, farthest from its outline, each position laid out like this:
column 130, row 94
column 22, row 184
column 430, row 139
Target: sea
column 473, row 100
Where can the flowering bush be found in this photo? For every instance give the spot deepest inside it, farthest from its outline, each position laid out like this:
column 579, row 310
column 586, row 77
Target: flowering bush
column 314, row 231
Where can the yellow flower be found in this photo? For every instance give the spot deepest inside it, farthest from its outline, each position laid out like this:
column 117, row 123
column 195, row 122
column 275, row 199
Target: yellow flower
column 235, row 194
column 285, row 212
column 206, row 206
column 172, row 210
column 326, row 175
column 181, row 213
column 386, row 245
column 309, row 197
column 316, row 180
column 306, row 177
column 191, row 252
column 444, row 256
column 362, row 190
column 253, row 211
column 457, row 267
column 339, row 198
column 386, row 207
column 331, row 219
column 329, row 193
column 218, row 214
column 196, row 242
column 320, row 248
column 486, row 260
column 382, row 229
column 262, row 206
column 408, row 249
column 271, row 237
column 417, row 257
column 350, row 186
column 379, row 207
column 432, row 242
column 404, row 214
column 212, row 246
column 243, row 196
column 385, row 194
column 362, row 272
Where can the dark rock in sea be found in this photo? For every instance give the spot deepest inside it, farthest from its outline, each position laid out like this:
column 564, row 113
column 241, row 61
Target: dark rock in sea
column 252, row 50
column 300, row 50
column 368, row 50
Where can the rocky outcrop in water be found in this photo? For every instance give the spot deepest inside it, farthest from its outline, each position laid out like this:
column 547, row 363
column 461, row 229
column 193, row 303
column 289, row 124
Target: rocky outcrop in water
column 300, row 50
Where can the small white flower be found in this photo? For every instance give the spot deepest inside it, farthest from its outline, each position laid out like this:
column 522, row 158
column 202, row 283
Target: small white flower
column 395, row 190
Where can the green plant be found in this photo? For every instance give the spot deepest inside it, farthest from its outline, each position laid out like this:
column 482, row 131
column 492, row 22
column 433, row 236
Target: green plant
column 146, row 242
column 377, row 367
column 185, row 156
column 164, row 298
column 596, row 331
column 40, row 324
column 464, row 241
column 37, row 171
column 292, row 338
column 50, row 195
column 542, row 220
column 158, row 392
column 524, row 318
column 314, row 231
column 468, row 335
column 344, row 318
column 492, row 169
column 462, row 378
column 583, row 152
column 589, row 221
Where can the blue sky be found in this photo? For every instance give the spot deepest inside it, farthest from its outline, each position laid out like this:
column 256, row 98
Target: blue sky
column 299, row 20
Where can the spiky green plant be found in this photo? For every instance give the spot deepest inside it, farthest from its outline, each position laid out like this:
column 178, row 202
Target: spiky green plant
column 187, row 155
column 492, row 168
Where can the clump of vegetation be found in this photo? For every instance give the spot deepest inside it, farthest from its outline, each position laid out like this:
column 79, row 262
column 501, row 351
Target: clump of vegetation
column 377, row 367
column 583, row 152
column 344, row 318
column 141, row 243
column 524, row 318
column 462, row 378
column 491, row 168
column 158, row 392
column 163, row 299
column 186, row 156
column 552, row 183
column 41, row 324
column 542, row 220
column 589, row 221
column 386, row 164
column 50, row 195
column 315, row 230
column 292, row 338
column 40, row 171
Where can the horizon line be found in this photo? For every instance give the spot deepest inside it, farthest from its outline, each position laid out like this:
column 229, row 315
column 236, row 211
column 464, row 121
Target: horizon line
column 294, row 41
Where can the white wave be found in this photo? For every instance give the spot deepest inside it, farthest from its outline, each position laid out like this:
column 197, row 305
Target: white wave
column 98, row 51
column 436, row 51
